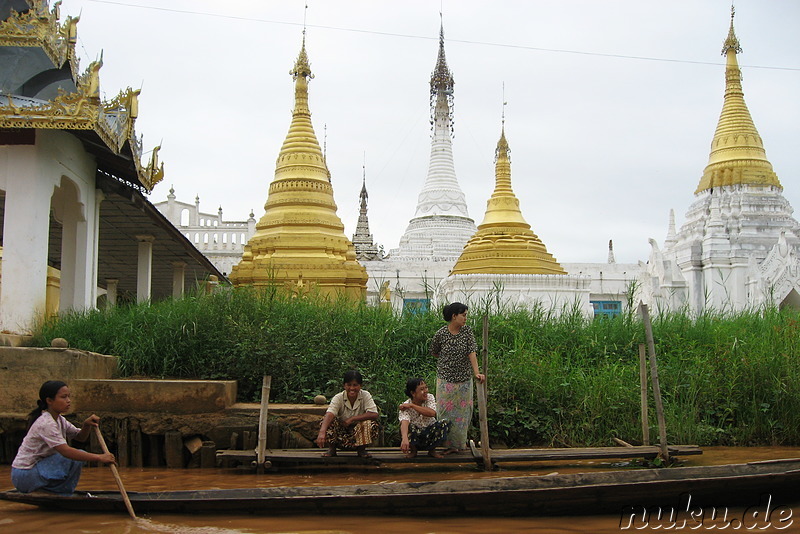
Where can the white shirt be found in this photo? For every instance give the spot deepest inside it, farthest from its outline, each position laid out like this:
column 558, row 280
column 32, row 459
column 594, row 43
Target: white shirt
column 43, row 437
column 341, row 407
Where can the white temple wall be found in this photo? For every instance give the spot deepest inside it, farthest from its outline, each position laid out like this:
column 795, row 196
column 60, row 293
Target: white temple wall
column 554, row 293
column 54, row 173
column 408, row 280
column 222, row 242
column 609, row 281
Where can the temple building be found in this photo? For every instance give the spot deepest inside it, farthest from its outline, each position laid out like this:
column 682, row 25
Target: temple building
column 76, row 223
column 505, row 261
column 441, row 225
column 739, row 246
column 221, row 241
column 366, row 249
column 299, row 244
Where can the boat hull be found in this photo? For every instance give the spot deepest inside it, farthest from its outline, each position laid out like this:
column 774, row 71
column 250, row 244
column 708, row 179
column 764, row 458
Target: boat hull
column 611, row 492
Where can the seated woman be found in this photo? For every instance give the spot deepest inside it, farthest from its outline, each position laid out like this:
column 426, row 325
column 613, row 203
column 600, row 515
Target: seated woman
column 419, row 428
column 350, row 422
column 45, row 461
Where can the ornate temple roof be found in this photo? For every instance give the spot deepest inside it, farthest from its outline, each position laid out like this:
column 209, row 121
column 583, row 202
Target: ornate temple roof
column 737, row 151
column 441, row 224
column 504, row 242
column 366, row 249
column 43, row 88
column 299, row 241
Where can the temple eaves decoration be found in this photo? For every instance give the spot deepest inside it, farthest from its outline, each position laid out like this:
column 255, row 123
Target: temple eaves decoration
column 82, row 109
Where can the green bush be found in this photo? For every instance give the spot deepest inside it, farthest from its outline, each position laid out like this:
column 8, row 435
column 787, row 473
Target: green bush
column 726, row 379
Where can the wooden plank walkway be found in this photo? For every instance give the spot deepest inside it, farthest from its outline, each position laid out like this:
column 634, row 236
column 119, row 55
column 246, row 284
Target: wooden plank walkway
column 393, row 455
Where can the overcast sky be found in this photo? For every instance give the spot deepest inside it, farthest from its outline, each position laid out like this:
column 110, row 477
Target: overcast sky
column 612, row 104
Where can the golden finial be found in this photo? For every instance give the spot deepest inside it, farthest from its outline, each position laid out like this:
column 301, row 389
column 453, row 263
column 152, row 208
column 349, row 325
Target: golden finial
column 302, row 67
column 502, row 144
column 731, row 42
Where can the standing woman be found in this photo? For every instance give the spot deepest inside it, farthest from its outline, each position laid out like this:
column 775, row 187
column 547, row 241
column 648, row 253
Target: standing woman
column 45, row 461
column 457, row 363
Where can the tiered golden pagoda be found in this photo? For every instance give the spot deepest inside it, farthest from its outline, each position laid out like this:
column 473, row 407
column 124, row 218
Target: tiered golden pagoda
column 504, row 242
column 737, row 151
column 300, row 243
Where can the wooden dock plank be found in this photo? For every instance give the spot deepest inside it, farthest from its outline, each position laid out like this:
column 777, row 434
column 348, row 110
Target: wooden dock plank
column 394, row 455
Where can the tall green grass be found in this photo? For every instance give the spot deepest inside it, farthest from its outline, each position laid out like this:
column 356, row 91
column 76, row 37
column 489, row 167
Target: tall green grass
column 560, row 380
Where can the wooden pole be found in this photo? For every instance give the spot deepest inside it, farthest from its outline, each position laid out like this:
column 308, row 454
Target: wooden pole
column 482, row 399
column 643, row 386
column 116, row 473
column 651, row 349
column 261, row 450
column 485, row 348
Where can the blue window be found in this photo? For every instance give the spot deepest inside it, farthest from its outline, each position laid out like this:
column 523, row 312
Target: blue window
column 606, row 308
column 416, row 305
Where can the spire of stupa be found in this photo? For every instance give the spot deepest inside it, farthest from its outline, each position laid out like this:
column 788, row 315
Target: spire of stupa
column 441, row 194
column 441, row 223
column 504, row 242
column 611, row 258
column 299, row 242
column 737, row 151
column 362, row 239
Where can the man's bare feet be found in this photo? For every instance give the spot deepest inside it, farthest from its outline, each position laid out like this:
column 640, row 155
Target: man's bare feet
column 451, row 450
column 330, row 452
column 433, row 453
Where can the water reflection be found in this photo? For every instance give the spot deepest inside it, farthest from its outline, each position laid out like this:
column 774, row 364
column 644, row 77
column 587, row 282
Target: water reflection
column 22, row 518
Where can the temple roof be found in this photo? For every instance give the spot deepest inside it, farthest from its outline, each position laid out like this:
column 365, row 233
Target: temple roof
column 504, row 242
column 737, row 151
column 441, row 194
column 366, row 249
column 441, row 224
column 42, row 88
column 299, row 241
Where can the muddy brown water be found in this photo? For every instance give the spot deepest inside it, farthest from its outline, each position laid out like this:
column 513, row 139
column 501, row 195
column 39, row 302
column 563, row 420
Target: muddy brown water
column 18, row 518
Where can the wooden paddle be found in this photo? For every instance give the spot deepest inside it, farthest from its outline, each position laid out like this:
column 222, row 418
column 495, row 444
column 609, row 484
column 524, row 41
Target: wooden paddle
column 116, row 473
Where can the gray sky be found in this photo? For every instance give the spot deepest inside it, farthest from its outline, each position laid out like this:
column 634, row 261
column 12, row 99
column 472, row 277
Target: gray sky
column 612, row 104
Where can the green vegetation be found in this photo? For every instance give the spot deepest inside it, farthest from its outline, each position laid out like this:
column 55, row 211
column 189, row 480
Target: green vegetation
column 726, row 379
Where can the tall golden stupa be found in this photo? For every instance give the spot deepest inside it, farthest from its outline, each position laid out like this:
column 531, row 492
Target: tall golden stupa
column 300, row 243
column 737, row 151
column 504, row 242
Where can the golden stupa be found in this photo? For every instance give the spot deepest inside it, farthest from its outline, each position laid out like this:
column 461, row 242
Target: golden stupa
column 300, row 243
column 504, row 242
column 737, row 151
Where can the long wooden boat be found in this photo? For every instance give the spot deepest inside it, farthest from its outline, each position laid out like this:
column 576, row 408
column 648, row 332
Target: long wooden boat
column 634, row 491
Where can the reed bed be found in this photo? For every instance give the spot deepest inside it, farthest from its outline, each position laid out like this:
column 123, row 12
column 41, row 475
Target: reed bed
column 554, row 380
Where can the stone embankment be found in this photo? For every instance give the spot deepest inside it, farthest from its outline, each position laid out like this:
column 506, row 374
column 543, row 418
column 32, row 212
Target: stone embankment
column 173, row 423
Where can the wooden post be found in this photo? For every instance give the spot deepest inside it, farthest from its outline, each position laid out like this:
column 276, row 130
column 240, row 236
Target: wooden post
column 643, row 386
column 482, row 398
column 156, row 450
column 208, row 455
column 137, row 450
column 173, row 449
column 261, row 449
column 273, row 435
column 651, row 349
column 121, row 430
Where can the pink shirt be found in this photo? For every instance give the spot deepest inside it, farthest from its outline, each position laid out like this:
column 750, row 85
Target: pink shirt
column 44, row 435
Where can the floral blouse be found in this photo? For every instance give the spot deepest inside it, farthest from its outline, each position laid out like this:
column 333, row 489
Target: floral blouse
column 417, row 419
column 453, row 352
